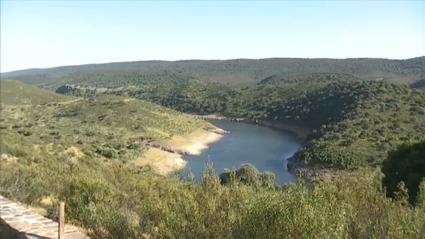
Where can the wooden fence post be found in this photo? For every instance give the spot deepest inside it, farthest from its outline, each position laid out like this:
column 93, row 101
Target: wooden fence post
column 61, row 224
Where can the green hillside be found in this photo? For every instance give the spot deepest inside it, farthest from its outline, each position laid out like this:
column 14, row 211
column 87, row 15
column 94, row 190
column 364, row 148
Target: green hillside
column 113, row 78
column 82, row 151
column 16, row 93
column 236, row 71
column 78, row 152
column 353, row 123
column 307, row 78
column 98, row 128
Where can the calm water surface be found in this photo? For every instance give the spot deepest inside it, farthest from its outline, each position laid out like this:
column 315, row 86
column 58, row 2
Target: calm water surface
column 265, row 148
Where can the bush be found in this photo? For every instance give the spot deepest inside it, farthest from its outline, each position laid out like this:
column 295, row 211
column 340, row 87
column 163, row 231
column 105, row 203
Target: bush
column 405, row 164
column 248, row 175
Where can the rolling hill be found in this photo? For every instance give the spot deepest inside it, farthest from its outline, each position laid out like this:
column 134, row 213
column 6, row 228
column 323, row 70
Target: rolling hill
column 239, row 71
column 352, row 123
column 16, row 93
column 85, row 151
column 307, row 78
column 106, row 127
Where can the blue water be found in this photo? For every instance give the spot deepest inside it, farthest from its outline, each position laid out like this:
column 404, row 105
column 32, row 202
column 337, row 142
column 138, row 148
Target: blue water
column 266, row 148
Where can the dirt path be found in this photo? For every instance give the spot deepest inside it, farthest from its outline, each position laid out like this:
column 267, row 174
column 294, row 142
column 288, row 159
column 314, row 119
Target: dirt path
column 20, row 222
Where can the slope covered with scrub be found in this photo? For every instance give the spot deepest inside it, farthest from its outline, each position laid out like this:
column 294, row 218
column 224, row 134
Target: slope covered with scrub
column 352, row 123
column 114, row 200
column 16, row 93
column 78, row 152
column 89, row 129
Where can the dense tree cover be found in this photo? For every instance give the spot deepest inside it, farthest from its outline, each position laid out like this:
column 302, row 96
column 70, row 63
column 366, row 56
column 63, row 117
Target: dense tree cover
column 307, row 78
column 76, row 151
column 207, row 97
column 244, row 70
column 353, row 123
column 118, row 78
column 406, row 166
column 365, row 120
column 107, row 78
column 247, row 174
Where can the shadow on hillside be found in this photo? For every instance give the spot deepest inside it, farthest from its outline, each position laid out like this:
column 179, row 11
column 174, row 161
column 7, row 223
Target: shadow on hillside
column 7, row 232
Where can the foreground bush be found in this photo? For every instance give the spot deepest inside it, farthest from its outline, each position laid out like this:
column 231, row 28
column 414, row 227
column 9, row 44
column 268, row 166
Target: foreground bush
column 405, row 167
column 111, row 200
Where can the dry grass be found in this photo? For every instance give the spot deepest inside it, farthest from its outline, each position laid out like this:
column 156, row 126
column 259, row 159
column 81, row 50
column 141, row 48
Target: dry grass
column 199, row 136
column 17, row 93
column 163, row 162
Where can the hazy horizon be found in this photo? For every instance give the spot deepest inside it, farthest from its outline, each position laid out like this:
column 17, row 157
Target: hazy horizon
column 53, row 34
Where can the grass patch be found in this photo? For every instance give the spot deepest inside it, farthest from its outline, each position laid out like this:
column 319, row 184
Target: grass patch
column 16, row 93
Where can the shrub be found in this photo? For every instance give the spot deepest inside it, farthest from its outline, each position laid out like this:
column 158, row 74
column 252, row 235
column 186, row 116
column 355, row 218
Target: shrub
column 405, row 164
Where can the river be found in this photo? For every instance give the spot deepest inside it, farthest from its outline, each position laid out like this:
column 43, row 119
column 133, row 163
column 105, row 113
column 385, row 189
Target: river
column 266, row 148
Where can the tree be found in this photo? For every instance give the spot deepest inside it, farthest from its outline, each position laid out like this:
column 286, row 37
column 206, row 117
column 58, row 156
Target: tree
column 405, row 164
column 249, row 175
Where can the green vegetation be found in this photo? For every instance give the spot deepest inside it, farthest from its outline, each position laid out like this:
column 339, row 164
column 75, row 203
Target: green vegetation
column 354, row 123
column 247, row 174
column 405, row 166
column 16, row 93
column 113, row 200
column 236, row 71
column 207, row 97
column 106, row 127
column 78, row 150
column 117, row 78
column 307, row 78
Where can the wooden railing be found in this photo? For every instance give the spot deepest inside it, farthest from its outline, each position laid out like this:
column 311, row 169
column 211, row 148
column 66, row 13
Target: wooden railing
column 19, row 222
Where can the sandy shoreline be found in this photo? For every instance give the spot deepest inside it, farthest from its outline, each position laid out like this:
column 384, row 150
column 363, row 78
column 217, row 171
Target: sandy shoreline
column 193, row 144
column 301, row 132
column 167, row 162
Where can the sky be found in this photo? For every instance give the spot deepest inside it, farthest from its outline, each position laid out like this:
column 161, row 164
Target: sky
column 41, row 34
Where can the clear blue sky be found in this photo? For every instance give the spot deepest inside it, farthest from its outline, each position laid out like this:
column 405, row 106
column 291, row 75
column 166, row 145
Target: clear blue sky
column 53, row 33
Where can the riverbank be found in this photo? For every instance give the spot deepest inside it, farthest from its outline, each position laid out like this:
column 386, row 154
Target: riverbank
column 166, row 156
column 163, row 162
column 294, row 164
column 301, row 132
column 194, row 143
column 312, row 172
column 322, row 173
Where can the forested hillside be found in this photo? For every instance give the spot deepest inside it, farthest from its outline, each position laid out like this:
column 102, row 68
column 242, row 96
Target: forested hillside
column 238, row 71
column 353, row 123
column 307, row 78
column 110, row 78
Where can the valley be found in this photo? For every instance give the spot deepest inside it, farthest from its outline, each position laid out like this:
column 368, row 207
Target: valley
column 205, row 148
